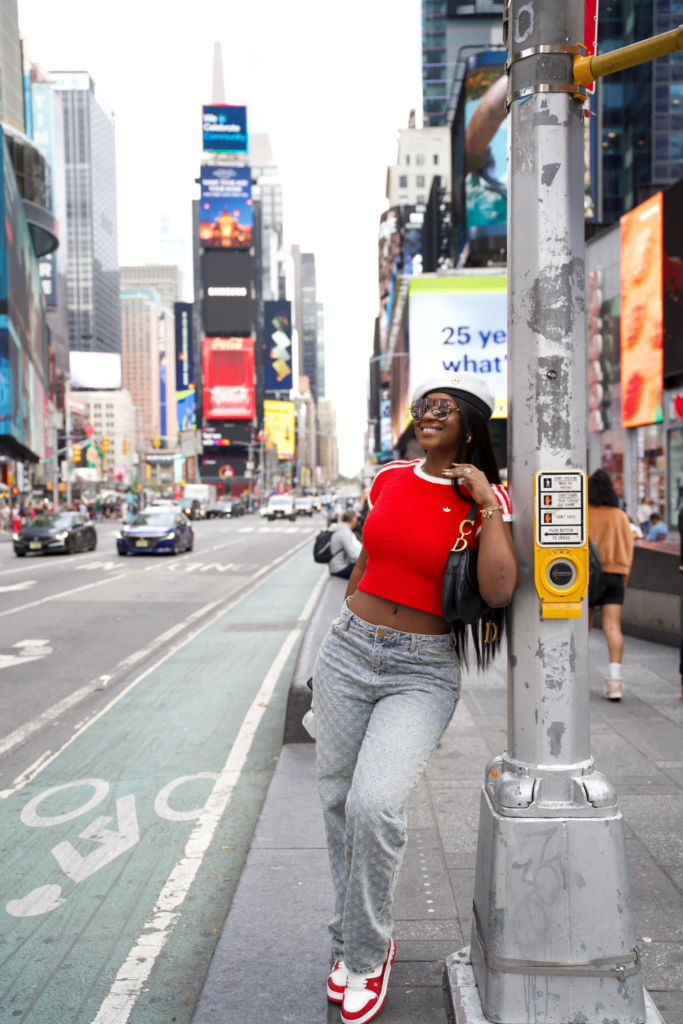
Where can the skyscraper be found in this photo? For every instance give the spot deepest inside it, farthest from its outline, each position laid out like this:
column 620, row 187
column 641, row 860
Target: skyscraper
column 140, row 358
column 306, row 315
column 11, row 71
column 320, row 330
column 164, row 279
column 267, row 193
column 93, row 268
column 453, row 30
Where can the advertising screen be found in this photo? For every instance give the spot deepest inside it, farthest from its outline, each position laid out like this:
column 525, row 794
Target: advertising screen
column 460, row 323
column 673, row 281
column 479, row 139
column 224, row 433
column 642, row 314
column 95, row 371
column 185, row 396
column 279, row 423
column 226, row 211
column 228, row 382
column 224, row 129
column 225, row 468
column 278, row 346
column 227, row 278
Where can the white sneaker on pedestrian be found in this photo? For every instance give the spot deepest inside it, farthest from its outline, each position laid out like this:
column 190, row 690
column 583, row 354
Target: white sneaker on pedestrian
column 336, row 983
column 365, row 994
column 614, row 688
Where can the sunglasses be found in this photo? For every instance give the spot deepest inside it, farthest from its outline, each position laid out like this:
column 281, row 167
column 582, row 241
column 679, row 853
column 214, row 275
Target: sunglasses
column 440, row 408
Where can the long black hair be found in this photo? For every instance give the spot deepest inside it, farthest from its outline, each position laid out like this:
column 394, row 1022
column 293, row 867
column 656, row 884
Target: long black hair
column 478, row 450
column 601, row 490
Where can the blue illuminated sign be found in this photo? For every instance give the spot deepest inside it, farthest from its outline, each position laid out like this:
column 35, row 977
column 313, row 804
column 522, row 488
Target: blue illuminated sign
column 225, row 129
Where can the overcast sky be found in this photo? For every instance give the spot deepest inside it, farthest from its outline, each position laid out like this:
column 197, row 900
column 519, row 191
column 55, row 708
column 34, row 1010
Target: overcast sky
column 330, row 83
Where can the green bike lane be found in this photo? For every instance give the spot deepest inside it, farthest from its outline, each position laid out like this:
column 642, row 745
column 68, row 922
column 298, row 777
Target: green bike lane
column 120, row 858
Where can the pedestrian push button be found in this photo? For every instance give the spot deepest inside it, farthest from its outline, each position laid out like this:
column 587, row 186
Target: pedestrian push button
column 561, row 542
column 561, row 574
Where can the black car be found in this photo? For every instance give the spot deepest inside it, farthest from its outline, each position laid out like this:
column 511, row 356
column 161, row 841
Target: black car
column 156, row 530
column 66, row 532
column 225, row 509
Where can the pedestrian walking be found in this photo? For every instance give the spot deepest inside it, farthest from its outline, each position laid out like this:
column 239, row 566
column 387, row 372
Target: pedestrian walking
column 610, row 531
column 387, row 679
column 345, row 545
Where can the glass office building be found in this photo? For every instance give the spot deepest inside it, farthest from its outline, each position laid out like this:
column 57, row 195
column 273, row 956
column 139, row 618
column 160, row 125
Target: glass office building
column 93, row 270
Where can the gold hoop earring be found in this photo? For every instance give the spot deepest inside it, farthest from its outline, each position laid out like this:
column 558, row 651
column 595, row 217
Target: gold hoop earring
column 468, row 439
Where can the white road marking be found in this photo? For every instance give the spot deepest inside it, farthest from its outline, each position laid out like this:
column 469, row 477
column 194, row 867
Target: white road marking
column 161, row 803
column 30, row 773
column 16, row 738
column 113, row 842
column 64, row 593
column 40, row 562
column 39, row 901
column 94, row 566
column 29, row 650
column 24, row 585
column 29, row 814
column 138, row 965
column 246, row 529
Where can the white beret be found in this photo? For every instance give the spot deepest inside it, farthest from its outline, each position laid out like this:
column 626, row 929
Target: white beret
column 469, row 386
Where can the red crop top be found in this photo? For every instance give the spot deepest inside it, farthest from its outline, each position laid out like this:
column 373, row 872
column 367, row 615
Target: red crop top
column 413, row 523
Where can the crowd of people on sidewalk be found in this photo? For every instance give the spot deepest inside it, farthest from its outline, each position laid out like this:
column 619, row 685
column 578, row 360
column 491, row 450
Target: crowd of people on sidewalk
column 18, row 513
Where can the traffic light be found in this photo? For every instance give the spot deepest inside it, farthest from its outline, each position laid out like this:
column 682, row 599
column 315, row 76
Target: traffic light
column 76, row 454
column 105, row 444
column 126, row 446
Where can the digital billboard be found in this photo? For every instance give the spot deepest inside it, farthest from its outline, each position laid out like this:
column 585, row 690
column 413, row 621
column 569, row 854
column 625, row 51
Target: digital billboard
column 673, row 281
column 278, row 346
column 227, row 279
column 460, row 324
column 225, row 468
column 226, row 211
column 228, row 383
column 279, row 426
column 95, row 371
column 224, row 129
column 389, row 260
column 642, row 357
column 479, row 141
column 186, row 395
column 226, row 433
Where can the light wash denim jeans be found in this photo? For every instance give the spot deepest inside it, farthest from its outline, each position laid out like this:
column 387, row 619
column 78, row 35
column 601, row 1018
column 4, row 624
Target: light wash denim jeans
column 382, row 701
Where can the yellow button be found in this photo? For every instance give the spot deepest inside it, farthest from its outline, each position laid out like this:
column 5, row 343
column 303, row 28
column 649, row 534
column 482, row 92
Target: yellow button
column 380, row 632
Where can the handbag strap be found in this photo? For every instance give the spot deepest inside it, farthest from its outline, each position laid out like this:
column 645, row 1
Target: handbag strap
column 461, row 542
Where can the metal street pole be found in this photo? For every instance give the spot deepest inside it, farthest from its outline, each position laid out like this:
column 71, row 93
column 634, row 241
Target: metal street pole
column 553, row 938
column 69, row 440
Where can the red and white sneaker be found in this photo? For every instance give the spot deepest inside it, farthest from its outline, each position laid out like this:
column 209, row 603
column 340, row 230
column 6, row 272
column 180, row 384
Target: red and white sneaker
column 365, row 994
column 336, row 983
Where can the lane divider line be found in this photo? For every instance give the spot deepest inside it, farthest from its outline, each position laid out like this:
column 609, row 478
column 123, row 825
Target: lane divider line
column 138, row 965
column 34, row 725
column 64, row 593
column 26, row 777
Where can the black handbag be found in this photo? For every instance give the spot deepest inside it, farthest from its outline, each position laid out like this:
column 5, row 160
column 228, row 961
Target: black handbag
column 460, row 598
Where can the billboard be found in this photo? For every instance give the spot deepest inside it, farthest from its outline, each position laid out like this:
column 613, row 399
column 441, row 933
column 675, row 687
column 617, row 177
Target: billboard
column 226, row 211
column 278, row 346
column 642, row 359
column 225, row 468
column 95, row 371
column 224, row 129
column 228, row 382
column 185, row 396
column 225, row 433
column 673, row 280
column 279, row 426
column 460, row 323
column 479, row 140
column 227, row 279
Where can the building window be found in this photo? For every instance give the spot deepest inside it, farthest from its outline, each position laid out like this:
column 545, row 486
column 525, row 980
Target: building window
column 436, row 158
column 420, row 181
column 407, row 159
column 420, row 159
column 403, row 181
column 420, row 200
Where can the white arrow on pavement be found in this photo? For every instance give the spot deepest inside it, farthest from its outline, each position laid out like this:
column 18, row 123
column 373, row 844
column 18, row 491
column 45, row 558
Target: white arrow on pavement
column 113, row 843
column 24, row 585
column 30, row 650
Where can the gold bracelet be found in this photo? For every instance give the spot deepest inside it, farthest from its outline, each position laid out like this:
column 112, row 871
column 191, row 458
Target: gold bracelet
column 486, row 513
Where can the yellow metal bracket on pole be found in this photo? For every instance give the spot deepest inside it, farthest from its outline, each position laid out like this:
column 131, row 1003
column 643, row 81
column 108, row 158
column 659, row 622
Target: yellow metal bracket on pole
column 588, row 69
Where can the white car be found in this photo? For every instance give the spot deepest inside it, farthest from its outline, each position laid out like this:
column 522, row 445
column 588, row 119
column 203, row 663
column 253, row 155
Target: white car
column 280, row 506
column 304, row 506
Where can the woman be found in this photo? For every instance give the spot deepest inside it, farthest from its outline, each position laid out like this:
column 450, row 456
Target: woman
column 610, row 531
column 387, row 679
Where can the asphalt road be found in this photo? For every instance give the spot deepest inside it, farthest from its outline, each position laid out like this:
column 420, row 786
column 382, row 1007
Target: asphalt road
column 142, row 705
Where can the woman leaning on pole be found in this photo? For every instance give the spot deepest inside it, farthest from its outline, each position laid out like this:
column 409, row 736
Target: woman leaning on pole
column 387, row 679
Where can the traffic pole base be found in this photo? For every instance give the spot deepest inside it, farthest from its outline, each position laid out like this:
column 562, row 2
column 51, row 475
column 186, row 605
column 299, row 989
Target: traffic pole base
column 464, row 994
column 553, row 938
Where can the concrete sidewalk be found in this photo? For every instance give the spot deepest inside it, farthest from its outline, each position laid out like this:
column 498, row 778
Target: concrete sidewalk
column 271, row 962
